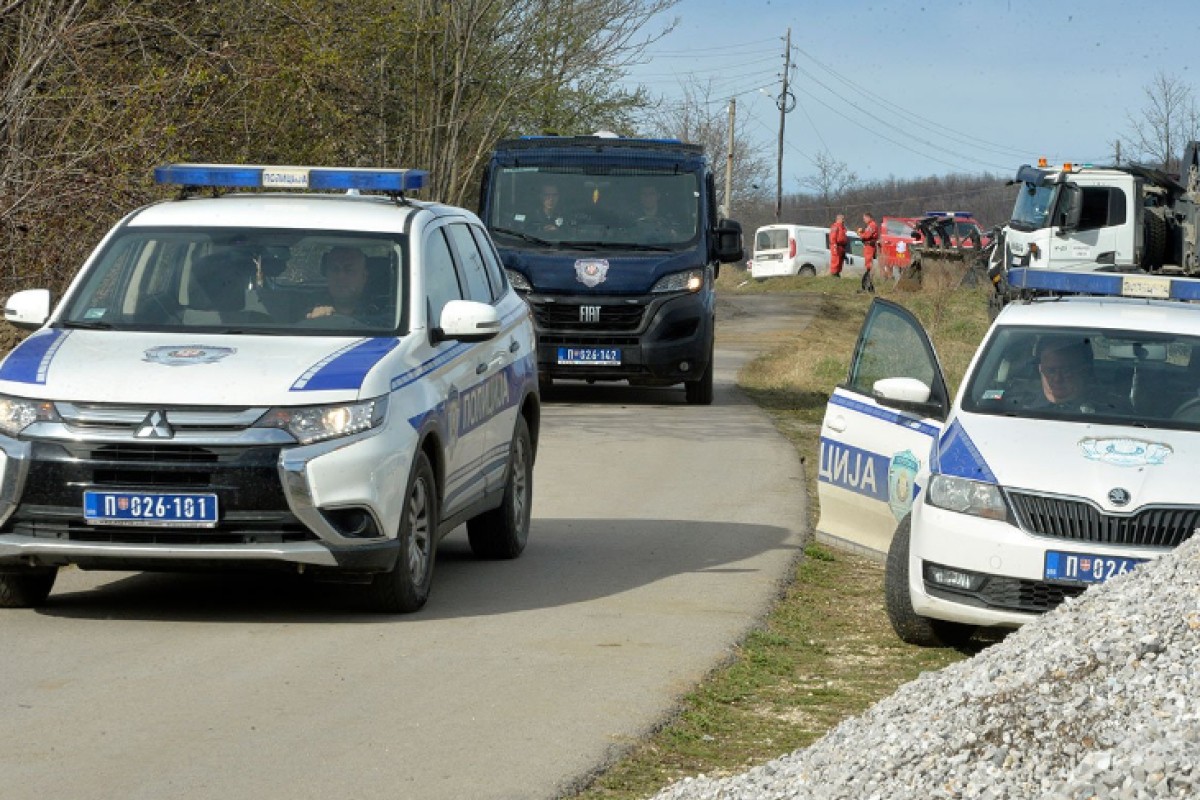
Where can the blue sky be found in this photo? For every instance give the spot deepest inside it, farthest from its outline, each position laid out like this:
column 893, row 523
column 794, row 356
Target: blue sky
column 930, row 87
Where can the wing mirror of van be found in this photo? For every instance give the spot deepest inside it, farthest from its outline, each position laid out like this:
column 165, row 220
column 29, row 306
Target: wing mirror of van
column 467, row 321
column 729, row 241
column 28, row 309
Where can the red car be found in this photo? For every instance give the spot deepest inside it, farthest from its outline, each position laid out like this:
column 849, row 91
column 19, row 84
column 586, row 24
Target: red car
column 899, row 234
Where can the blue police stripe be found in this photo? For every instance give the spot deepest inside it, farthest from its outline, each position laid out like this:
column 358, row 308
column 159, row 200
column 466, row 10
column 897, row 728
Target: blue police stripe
column 885, row 414
column 853, row 468
column 957, row 455
column 346, row 368
column 30, row 361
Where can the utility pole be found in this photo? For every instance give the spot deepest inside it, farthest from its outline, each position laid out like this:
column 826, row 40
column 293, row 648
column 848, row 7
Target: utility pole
column 786, row 103
column 729, row 161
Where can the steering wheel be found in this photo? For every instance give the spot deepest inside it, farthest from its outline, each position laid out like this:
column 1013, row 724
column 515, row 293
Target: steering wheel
column 1188, row 411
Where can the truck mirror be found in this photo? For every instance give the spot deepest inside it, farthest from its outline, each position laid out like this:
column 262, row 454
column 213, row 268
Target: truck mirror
column 1069, row 209
column 729, row 241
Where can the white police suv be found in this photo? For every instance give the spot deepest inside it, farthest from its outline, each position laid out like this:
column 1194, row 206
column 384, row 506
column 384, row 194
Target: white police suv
column 1068, row 456
column 329, row 382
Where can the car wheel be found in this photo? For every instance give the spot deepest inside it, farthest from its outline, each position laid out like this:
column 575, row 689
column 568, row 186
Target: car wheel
column 808, row 270
column 405, row 588
column 908, row 625
column 503, row 531
column 700, row 392
column 27, row 588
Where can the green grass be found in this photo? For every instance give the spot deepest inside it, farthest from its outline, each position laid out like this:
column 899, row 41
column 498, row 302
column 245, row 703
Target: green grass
column 826, row 651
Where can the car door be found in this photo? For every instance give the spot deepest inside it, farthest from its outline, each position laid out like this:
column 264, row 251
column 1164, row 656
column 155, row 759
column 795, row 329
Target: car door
column 879, row 430
column 458, row 376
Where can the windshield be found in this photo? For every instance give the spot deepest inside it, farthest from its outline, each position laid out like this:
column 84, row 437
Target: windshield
column 243, row 280
column 558, row 206
column 1032, row 209
column 1089, row 375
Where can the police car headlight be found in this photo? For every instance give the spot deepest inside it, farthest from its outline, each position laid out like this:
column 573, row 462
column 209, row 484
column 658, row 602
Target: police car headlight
column 17, row 413
column 967, row 497
column 518, row 281
column 689, row 281
column 317, row 423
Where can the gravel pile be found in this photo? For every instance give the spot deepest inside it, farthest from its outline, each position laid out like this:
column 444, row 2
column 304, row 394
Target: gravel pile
column 1098, row 699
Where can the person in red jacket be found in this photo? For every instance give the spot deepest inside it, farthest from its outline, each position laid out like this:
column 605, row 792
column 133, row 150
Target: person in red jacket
column 869, row 233
column 837, row 245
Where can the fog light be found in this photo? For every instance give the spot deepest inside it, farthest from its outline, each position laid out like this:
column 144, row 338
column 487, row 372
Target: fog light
column 951, row 578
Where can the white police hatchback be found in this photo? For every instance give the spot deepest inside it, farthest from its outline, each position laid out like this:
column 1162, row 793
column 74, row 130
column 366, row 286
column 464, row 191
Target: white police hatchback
column 327, row 382
column 1068, row 456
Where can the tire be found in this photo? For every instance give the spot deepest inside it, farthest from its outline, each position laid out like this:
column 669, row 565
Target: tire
column 1154, row 253
column 908, row 625
column 405, row 587
column 700, row 392
column 807, row 271
column 27, row 588
column 503, row 531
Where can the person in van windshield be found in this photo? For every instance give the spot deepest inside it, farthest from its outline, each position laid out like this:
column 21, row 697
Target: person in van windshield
column 1069, row 381
column 345, row 270
column 549, row 215
column 650, row 216
column 838, row 239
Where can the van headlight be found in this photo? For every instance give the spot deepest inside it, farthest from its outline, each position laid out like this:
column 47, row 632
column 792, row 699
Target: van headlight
column 967, row 497
column 689, row 281
column 317, row 423
column 18, row 413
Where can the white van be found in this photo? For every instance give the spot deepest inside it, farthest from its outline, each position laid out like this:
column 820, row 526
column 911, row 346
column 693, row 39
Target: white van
column 784, row 250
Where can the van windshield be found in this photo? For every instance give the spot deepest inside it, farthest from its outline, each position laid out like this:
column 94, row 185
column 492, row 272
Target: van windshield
column 563, row 206
column 243, row 280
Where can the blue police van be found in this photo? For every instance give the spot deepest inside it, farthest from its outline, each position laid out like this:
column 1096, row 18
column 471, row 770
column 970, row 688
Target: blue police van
column 615, row 243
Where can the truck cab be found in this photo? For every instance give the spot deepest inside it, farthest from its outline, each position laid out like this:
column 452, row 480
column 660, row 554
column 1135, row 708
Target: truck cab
column 615, row 243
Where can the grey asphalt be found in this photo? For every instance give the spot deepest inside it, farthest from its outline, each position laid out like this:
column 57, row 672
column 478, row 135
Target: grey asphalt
column 662, row 533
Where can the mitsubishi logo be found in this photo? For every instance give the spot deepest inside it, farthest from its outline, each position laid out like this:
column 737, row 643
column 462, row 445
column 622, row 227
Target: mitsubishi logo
column 589, row 313
column 155, row 426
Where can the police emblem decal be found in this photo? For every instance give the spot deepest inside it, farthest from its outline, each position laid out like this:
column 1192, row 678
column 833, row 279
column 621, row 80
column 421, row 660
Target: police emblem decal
column 184, row 355
column 591, row 271
column 902, row 477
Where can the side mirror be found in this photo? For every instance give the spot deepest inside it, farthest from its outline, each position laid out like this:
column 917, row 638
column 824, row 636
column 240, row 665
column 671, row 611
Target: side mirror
column 467, row 321
column 1069, row 209
column 28, row 309
column 909, row 394
column 729, row 241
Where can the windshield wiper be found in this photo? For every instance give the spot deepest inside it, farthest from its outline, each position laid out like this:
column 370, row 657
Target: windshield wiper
column 89, row 325
column 523, row 235
column 617, row 246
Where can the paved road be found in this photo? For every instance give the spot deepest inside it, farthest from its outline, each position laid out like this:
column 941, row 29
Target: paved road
column 661, row 533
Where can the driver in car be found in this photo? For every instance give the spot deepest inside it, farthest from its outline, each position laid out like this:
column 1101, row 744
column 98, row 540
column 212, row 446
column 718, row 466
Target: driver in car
column 345, row 269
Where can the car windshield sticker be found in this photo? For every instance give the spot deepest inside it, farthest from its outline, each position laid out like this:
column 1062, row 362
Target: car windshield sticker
column 957, row 455
column 30, row 361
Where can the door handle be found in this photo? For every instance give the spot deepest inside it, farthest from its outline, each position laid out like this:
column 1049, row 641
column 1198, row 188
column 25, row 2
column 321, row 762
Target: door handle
column 514, row 347
column 481, row 368
column 837, row 424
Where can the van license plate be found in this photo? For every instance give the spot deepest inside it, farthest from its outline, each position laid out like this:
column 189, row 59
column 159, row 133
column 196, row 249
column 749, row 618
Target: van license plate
column 590, row 356
column 150, row 508
column 1085, row 567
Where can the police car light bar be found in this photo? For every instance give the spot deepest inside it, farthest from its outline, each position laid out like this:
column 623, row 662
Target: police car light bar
column 956, row 214
column 253, row 176
column 1106, row 283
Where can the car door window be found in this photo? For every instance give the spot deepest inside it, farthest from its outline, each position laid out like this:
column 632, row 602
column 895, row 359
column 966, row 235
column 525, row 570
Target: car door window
column 441, row 276
column 471, row 263
column 491, row 261
column 892, row 344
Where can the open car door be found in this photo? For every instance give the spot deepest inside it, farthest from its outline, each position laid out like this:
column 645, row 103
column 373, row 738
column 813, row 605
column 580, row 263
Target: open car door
column 879, row 429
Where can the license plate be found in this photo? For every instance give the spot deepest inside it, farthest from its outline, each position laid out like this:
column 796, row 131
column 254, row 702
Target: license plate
column 590, row 356
column 1085, row 567
column 150, row 508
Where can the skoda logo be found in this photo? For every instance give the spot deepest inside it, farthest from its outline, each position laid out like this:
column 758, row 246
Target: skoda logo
column 1118, row 496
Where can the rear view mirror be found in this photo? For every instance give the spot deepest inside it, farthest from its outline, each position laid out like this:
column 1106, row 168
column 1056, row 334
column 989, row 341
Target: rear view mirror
column 729, row 241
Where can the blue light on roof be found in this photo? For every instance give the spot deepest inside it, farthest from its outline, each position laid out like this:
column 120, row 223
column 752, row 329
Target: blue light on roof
column 956, row 214
column 251, row 176
column 1106, row 283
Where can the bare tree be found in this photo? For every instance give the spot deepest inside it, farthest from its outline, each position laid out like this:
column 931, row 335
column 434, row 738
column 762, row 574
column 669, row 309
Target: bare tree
column 700, row 118
column 1160, row 129
column 832, row 179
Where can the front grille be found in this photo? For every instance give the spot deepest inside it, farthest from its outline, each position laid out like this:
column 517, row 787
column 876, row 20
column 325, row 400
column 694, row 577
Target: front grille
column 1010, row 594
column 567, row 316
column 1080, row 521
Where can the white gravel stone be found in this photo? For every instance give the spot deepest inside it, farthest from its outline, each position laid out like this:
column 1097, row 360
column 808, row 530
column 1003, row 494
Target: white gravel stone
column 1098, row 698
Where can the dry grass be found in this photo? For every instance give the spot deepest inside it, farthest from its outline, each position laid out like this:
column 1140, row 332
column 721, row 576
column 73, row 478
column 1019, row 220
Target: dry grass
column 826, row 652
